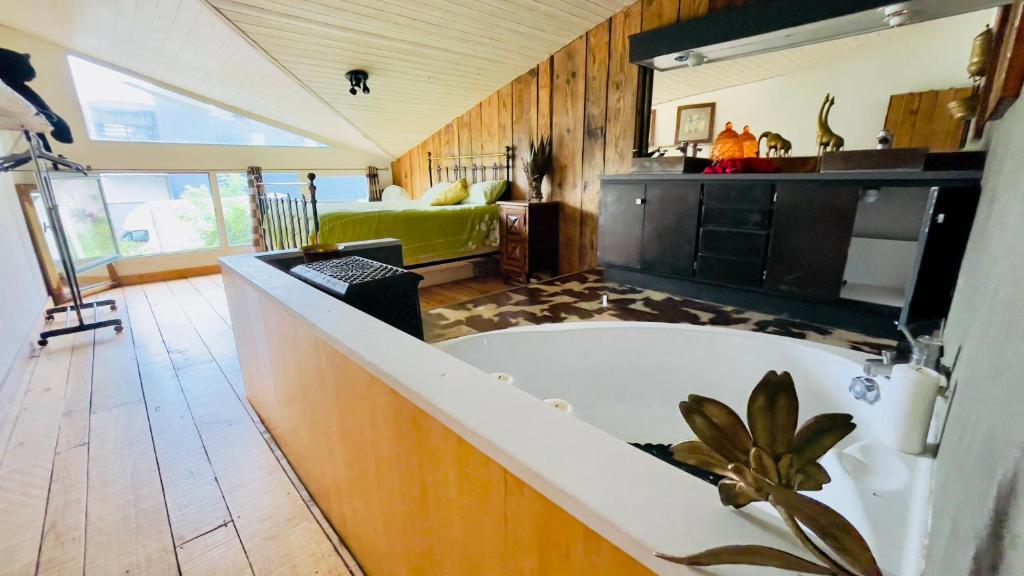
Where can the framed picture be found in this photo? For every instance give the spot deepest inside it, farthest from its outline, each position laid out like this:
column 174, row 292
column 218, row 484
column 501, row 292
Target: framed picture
column 695, row 122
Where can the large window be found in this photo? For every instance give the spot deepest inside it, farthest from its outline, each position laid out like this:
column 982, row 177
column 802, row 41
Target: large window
column 122, row 108
column 234, row 204
column 161, row 213
column 329, row 187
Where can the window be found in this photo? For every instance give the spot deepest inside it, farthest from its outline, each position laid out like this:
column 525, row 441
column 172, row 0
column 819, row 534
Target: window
column 234, row 204
column 329, row 187
column 161, row 213
column 122, row 108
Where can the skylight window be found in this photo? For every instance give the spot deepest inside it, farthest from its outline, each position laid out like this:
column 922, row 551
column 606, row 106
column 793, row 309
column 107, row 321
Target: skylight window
column 121, row 108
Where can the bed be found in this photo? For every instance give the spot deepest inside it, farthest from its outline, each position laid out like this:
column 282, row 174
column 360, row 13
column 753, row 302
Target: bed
column 429, row 234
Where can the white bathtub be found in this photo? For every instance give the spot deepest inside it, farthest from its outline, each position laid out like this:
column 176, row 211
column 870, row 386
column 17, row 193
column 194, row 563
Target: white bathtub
column 627, row 380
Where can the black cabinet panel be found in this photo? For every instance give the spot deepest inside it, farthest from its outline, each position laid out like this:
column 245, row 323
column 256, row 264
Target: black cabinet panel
column 755, row 194
column 945, row 229
column 731, row 271
column 621, row 224
column 670, row 227
column 736, row 217
column 733, row 242
column 811, row 229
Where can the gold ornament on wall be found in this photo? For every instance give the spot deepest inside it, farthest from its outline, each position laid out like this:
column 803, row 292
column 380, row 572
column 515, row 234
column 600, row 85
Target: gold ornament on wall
column 981, row 52
column 774, row 142
column 827, row 139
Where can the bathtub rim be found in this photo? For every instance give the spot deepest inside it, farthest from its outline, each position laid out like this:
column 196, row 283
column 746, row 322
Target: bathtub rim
column 525, row 436
column 848, row 354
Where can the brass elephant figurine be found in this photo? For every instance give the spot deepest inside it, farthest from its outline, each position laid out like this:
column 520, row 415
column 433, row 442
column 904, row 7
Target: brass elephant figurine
column 775, row 142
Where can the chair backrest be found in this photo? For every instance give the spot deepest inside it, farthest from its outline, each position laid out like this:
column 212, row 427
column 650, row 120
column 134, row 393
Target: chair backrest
column 394, row 192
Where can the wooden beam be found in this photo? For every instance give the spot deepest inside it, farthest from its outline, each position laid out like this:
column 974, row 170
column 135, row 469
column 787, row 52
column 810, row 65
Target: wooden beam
column 1009, row 70
column 568, row 100
column 658, row 13
column 623, row 84
column 524, row 127
column 594, row 119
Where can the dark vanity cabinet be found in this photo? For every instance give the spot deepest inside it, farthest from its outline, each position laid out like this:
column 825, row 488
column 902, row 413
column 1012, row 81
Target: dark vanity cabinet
column 621, row 224
column 650, row 226
column 811, row 229
column 734, row 226
column 779, row 243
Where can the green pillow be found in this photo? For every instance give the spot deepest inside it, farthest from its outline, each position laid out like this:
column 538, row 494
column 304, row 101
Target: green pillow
column 455, row 193
column 486, row 192
column 431, row 194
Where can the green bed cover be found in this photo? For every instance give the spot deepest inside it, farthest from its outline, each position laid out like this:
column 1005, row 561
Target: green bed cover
column 428, row 233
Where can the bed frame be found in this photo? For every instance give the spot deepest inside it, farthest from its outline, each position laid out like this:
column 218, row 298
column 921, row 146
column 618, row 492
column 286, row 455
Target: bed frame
column 473, row 167
column 284, row 222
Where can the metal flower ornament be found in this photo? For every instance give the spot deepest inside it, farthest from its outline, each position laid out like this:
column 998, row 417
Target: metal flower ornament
column 773, row 462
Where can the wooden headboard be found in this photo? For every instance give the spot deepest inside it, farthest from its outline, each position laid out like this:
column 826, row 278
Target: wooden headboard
column 472, row 167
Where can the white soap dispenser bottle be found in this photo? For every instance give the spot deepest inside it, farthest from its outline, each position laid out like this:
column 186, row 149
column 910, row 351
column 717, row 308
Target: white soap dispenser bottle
column 910, row 398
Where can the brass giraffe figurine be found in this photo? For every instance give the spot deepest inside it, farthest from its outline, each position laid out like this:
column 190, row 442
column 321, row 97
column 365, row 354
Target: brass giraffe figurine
column 827, row 139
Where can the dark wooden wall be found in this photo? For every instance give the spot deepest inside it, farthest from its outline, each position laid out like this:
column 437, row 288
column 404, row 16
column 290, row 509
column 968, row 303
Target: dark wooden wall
column 585, row 97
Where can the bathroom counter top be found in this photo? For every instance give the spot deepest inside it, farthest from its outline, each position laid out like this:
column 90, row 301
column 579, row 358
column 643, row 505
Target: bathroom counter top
column 866, row 177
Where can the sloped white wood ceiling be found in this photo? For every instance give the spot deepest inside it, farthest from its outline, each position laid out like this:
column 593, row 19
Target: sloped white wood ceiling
column 685, row 82
column 429, row 60
column 185, row 43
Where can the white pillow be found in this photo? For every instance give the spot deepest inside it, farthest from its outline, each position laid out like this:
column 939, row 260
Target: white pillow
column 393, row 192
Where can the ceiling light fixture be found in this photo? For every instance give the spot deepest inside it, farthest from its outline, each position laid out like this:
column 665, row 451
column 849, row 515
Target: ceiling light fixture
column 357, row 81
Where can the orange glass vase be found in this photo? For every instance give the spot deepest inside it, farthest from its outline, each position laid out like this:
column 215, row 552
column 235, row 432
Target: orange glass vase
column 748, row 142
column 727, row 145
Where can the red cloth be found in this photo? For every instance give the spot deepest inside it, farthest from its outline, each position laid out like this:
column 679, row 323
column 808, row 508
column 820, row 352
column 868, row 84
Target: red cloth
column 740, row 165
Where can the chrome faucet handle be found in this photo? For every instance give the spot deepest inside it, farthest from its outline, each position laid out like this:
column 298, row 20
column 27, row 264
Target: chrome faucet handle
column 865, row 389
column 880, row 366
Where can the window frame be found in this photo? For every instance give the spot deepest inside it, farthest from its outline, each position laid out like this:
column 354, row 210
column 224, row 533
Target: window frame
column 218, row 208
column 87, row 116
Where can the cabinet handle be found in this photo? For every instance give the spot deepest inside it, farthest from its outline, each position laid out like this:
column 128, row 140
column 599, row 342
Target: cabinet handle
column 639, row 201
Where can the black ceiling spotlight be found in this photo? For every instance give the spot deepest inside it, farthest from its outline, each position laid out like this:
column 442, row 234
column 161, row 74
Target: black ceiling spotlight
column 357, row 80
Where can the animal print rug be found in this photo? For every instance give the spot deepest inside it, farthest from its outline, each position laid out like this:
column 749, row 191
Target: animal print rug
column 581, row 297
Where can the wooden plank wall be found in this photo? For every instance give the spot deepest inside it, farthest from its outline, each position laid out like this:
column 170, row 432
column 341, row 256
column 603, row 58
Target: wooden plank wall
column 922, row 120
column 585, row 97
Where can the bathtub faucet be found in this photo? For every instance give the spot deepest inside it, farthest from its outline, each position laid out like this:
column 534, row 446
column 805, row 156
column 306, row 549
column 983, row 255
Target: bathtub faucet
column 865, row 386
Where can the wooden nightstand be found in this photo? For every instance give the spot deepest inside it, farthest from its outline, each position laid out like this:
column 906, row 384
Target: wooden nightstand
column 529, row 239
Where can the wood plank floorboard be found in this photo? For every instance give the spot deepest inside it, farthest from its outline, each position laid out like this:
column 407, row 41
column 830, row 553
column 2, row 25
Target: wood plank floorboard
column 441, row 295
column 137, row 453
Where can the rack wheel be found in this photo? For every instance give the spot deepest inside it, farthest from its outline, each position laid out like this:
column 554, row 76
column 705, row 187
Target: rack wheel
column 113, row 306
column 48, row 317
column 42, row 341
column 119, row 328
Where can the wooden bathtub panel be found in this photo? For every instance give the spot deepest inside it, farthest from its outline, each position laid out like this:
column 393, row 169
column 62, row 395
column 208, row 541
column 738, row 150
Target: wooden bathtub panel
column 405, row 493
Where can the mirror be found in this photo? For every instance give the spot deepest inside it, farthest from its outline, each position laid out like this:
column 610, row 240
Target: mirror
column 902, row 79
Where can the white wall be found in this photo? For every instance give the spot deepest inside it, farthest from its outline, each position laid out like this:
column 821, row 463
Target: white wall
column 927, row 56
column 54, row 84
column 978, row 490
column 21, row 292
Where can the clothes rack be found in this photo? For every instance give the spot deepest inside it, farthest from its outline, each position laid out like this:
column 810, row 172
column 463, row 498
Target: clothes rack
column 41, row 161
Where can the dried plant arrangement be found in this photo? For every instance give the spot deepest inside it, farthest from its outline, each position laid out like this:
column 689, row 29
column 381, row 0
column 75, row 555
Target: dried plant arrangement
column 773, row 462
column 536, row 165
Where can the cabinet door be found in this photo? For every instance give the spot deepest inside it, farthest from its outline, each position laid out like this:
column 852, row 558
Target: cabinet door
column 811, row 228
column 620, row 224
column 670, row 227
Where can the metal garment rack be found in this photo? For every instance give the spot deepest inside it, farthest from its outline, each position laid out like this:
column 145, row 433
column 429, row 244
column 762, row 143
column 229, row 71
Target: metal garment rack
column 39, row 157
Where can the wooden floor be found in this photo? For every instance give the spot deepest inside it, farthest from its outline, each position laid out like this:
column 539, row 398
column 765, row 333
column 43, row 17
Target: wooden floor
column 441, row 295
column 138, row 454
